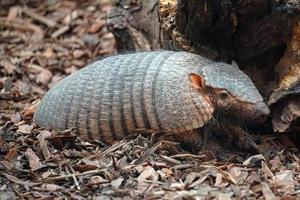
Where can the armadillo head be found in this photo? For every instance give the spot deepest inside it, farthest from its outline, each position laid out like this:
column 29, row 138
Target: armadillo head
column 232, row 91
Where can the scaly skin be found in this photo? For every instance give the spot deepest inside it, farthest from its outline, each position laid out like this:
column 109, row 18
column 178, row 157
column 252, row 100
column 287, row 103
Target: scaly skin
column 111, row 98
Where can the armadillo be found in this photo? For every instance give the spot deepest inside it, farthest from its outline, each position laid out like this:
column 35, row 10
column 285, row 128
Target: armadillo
column 168, row 91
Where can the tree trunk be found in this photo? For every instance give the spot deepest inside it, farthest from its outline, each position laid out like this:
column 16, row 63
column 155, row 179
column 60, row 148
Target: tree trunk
column 262, row 36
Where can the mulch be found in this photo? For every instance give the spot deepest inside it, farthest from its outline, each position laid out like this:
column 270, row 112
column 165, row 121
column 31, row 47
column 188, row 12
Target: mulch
column 42, row 42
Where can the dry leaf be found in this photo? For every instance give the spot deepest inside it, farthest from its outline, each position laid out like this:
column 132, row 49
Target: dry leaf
column 226, row 176
column 48, row 53
column 254, row 178
column 167, row 172
column 266, row 170
column 218, row 182
column 275, row 163
column 13, row 13
column 9, row 67
column 148, row 173
column 238, row 174
column 19, row 181
column 11, row 154
column 96, row 180
column 44, row 77
column 44, row 134
column 78, row 53
column 34, row 161
column 7, row 164
column 26, row 129
column 29, row 111
column 117, row 183
column 51, row 187
column 46, row 174
column 137, row 167
column 97, row 26
column 284, row 176
column 267, row 192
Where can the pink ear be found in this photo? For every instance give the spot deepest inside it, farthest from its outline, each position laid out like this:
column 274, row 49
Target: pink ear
column 197, row 81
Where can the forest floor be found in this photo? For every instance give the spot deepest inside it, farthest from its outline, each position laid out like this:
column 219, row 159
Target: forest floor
column 41, row 42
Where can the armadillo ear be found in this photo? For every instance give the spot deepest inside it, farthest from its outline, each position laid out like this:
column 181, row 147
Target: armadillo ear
column 197, row 81
column 234, row 64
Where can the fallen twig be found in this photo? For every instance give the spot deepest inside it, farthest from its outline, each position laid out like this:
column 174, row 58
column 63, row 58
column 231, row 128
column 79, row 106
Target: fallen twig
column 39, row 18
column 57, row 178
column 18, row 26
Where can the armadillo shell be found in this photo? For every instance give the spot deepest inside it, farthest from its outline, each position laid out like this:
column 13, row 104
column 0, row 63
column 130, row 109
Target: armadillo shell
column 112, row 97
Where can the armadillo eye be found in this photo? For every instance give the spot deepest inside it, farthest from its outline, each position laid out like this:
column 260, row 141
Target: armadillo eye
column 223, row 95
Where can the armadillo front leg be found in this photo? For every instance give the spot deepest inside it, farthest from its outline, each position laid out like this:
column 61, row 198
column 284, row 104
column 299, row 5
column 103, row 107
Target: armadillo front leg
column 240, row 137
column 193, row 140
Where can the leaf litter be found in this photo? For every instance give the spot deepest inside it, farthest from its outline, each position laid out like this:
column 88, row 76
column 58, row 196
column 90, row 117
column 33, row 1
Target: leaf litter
column 41, row 43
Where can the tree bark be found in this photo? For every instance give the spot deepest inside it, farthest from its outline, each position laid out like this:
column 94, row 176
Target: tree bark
column 262, row 36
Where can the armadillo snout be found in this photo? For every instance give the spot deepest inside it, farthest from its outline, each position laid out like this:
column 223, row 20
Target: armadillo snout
column 262, row 112
column 256, row 113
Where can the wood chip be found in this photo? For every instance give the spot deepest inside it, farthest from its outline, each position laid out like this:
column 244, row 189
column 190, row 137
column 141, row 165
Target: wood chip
column 268, row 194
column 56, row 178
column 43, row 143
column 44, row 77
column 60, row 31
column 38, row 17
column 34, row 161
column 148, row 173
column 13, row 13
column 19, row 181
column 11, row 154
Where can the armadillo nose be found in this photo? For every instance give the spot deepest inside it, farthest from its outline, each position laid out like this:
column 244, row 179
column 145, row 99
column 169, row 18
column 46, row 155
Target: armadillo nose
column 262, row 111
